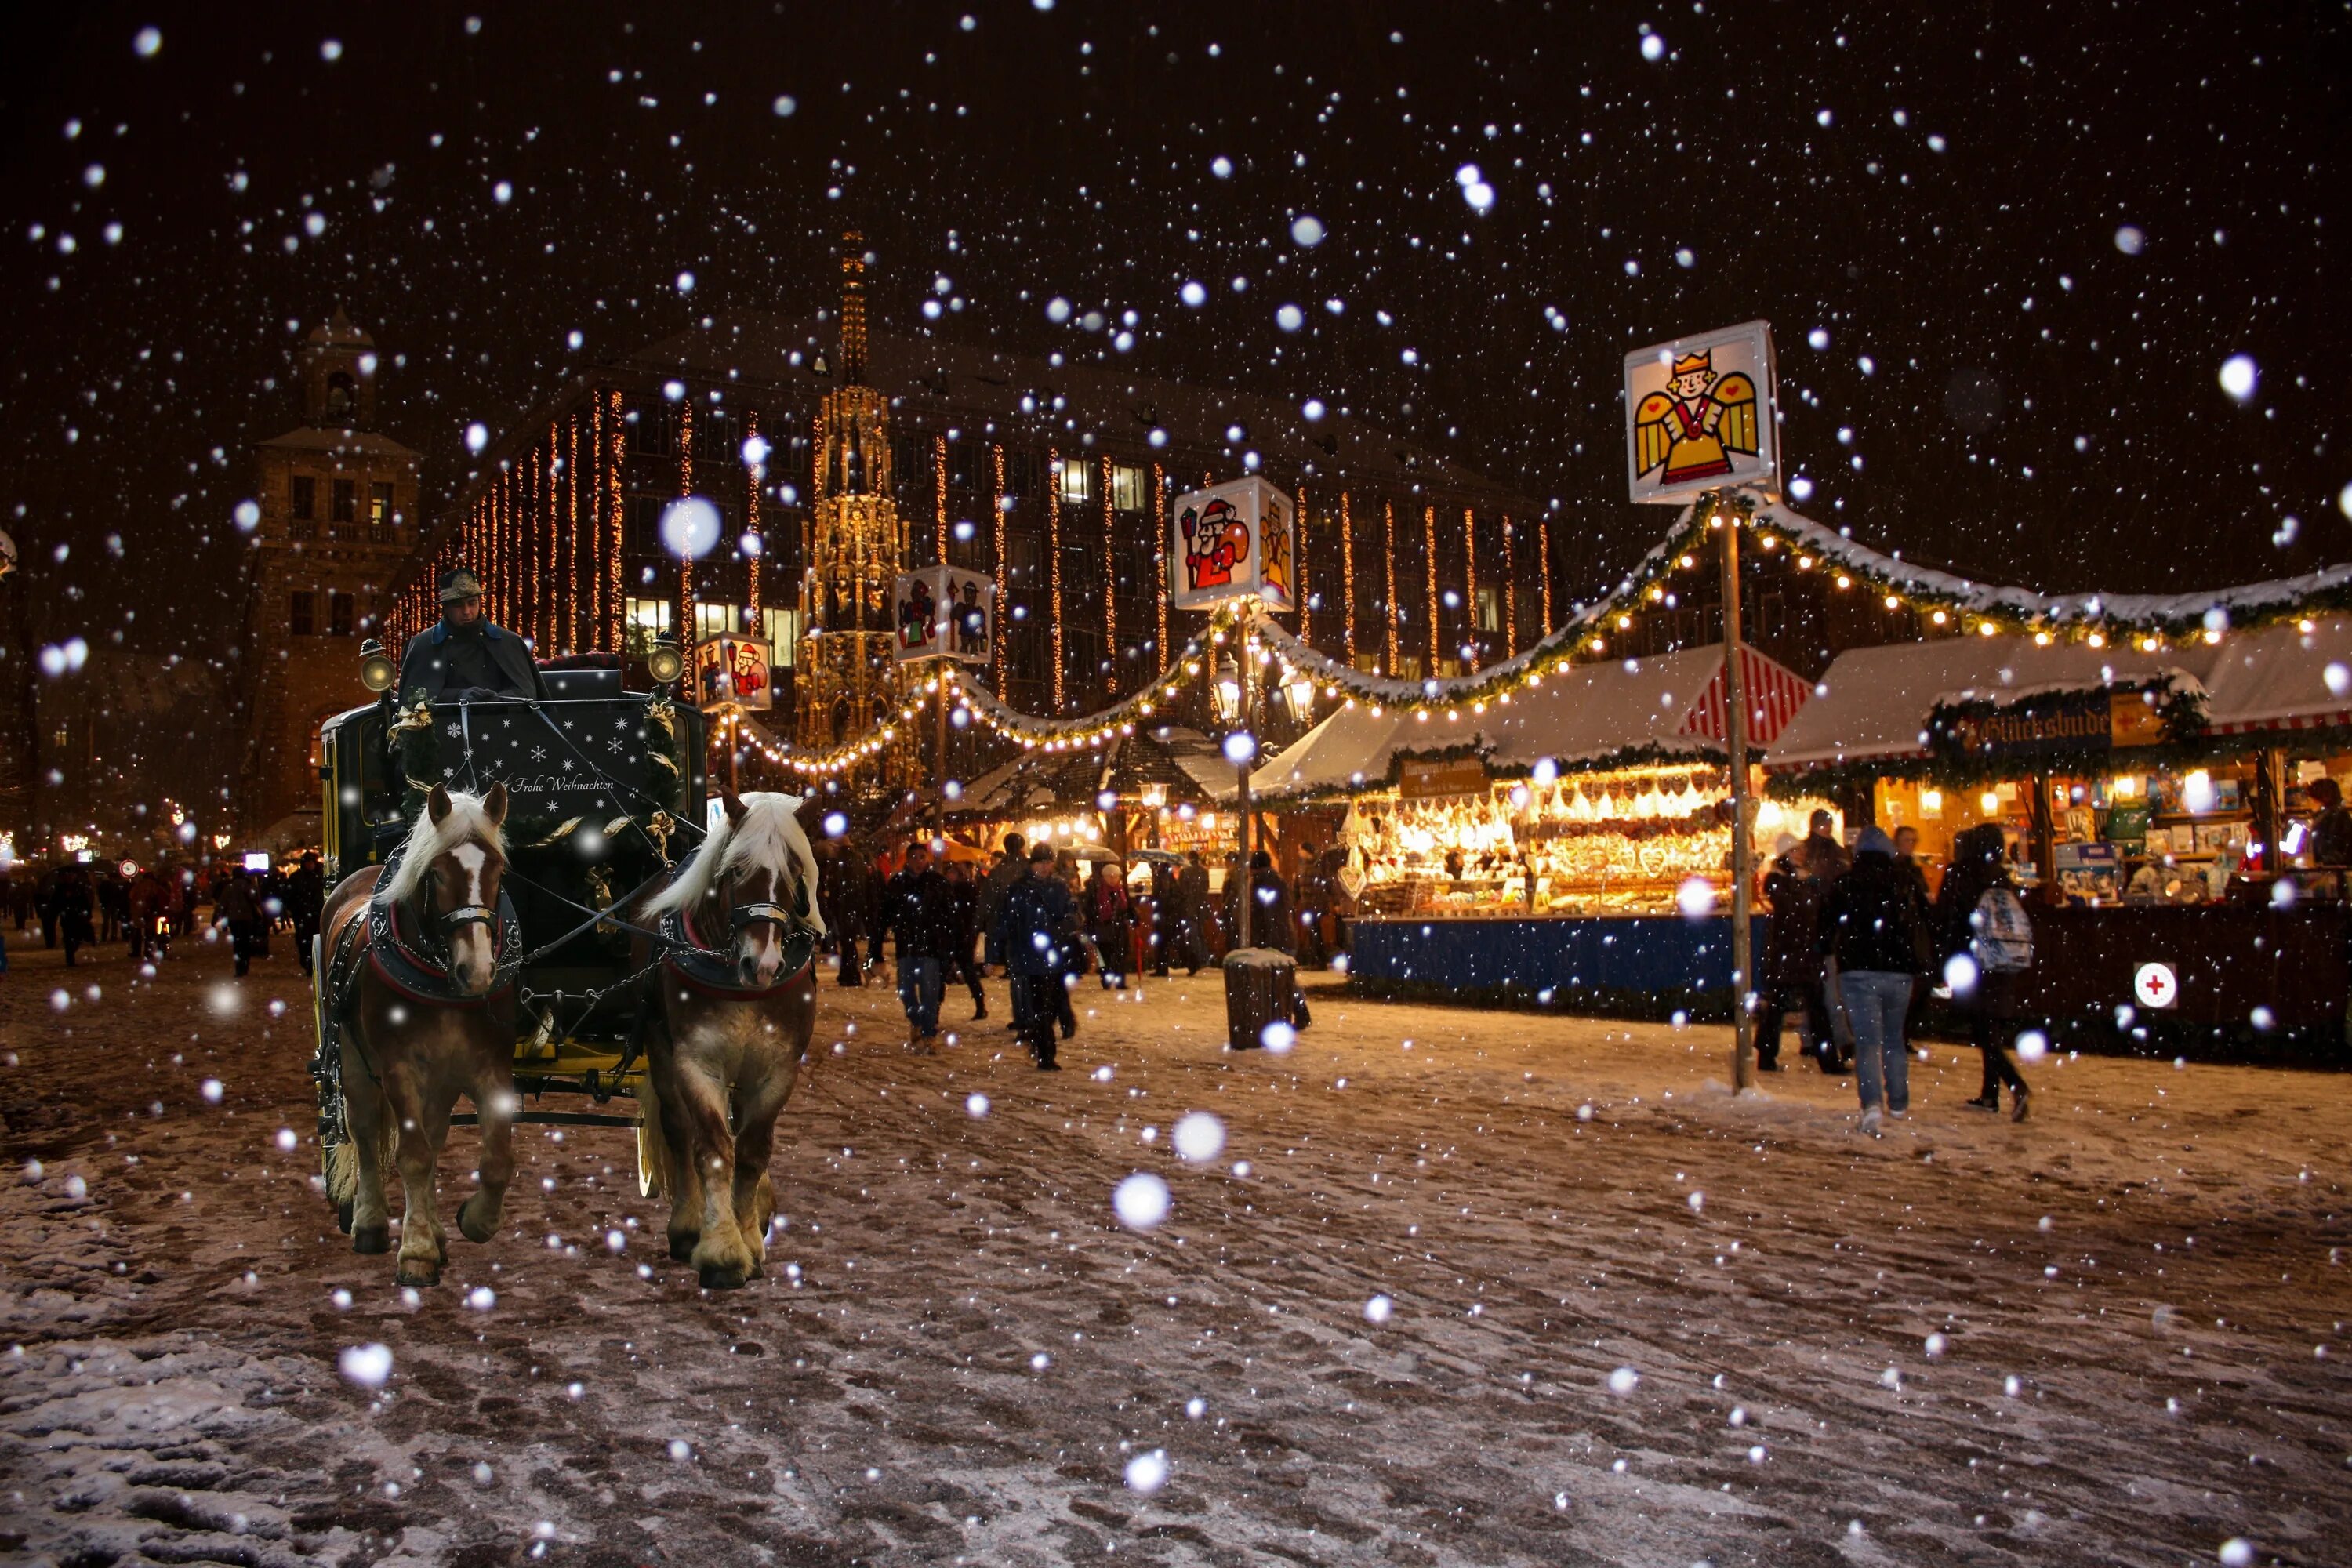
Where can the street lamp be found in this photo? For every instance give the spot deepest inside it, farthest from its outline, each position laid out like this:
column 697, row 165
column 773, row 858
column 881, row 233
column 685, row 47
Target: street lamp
column 1298, row 697
column 1226, row 692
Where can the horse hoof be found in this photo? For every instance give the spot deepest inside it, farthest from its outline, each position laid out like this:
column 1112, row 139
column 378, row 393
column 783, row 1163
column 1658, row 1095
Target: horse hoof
column 415, row 1272
column 371, row 1238
column 682, row 1244
column 722, row 1276
column 471, row 1224
column 343, row 1217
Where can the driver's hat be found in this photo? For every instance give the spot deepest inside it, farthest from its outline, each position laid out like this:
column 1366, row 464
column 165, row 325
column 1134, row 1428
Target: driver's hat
column 459, row 584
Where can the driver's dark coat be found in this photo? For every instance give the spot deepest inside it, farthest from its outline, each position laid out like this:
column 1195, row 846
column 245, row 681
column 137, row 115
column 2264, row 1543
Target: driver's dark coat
column 425, row 666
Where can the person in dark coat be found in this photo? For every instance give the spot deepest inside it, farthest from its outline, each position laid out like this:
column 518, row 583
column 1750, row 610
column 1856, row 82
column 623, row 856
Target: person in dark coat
column 917, row 905
column 1270, row 921
column 963, row 901
column 1992, row 1001
column 1110, row 922
column 1036, row 926
column 75, row 904
column 1164, row 916
column 2331, row 830
column 237, row 909
column 1192, row 915
column 1872, row 923
column 464, row 656
column 840, row 893
column 306, row 895
column 1790, row 974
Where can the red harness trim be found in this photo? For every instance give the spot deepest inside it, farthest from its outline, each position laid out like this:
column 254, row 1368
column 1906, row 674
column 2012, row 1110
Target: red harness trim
column 671, row 967
column 425, row 962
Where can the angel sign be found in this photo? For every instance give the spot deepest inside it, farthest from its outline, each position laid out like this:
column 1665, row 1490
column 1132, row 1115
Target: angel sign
column 1700, row 413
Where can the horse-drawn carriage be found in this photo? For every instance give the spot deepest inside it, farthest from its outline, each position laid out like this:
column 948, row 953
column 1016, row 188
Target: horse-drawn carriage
column 530, row 899
column 606, row 789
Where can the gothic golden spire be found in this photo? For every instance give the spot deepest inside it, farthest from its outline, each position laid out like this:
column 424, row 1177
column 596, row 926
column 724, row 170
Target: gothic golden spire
column 852, row 309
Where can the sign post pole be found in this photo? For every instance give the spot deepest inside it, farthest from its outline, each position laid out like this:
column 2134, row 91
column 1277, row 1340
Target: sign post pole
column 1246, row 898
column 1726, row 516
column 940, row 759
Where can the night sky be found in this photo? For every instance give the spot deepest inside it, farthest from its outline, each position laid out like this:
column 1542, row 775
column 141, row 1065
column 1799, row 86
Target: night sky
column 2026, row 238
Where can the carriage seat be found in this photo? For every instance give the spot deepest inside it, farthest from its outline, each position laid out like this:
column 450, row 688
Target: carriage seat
column 566, row 685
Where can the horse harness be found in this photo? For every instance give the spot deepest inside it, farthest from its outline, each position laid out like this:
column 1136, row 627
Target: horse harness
column 711, row 970
column 416, row 975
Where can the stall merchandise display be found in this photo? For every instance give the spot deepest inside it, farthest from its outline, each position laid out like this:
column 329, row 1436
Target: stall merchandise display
column 1625, row 842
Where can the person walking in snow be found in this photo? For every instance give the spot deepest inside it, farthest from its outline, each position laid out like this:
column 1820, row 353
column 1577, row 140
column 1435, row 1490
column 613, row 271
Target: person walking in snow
column 1990, row 994
column 1036, row 927
column 1873, row 925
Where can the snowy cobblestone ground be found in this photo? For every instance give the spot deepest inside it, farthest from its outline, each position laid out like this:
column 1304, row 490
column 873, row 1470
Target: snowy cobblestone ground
column 1677, row 1328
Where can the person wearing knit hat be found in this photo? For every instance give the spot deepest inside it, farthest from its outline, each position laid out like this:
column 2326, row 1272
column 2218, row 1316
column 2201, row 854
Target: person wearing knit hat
column 1873, row 926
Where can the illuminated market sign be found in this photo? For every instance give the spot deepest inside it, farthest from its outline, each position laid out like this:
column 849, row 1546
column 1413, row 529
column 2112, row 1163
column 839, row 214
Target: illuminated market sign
column 2054, row 724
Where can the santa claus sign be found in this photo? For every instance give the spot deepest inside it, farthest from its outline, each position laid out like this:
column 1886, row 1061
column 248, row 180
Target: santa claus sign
column 1698, row 414
column 1233, row 542
column 942, row 611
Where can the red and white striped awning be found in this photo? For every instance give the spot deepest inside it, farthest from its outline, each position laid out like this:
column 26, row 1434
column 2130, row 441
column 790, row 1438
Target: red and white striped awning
column 1774, row 693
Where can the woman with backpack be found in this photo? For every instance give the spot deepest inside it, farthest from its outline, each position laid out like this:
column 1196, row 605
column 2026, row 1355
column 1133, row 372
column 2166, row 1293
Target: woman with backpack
column 1978, row 914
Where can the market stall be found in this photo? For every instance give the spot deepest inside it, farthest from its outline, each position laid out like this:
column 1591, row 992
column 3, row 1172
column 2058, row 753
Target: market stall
column 2159, row 801
column 1167, row 787
column 1566, row 840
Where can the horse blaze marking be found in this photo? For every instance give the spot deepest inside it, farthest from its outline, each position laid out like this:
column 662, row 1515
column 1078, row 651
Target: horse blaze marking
column 2155, row 985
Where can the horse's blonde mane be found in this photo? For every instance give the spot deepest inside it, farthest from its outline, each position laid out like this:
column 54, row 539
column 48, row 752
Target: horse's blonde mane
column 468, row 820
column 770, row 835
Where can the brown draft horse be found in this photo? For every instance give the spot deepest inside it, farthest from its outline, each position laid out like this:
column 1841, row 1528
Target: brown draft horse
column 426, row 1018
column 727, row 1027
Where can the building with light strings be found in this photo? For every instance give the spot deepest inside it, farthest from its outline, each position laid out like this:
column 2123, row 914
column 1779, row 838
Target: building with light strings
column 880, row 451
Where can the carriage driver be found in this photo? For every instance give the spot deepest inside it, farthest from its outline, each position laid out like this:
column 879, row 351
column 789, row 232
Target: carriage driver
column 465, row 656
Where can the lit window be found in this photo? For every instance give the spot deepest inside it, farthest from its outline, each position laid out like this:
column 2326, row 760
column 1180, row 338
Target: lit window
column 1130, row 488
column 1078, row 480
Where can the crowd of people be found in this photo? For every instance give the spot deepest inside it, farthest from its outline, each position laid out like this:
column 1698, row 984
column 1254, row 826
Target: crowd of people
column 1856, row 942
column 1029, row 915
column 82, row 905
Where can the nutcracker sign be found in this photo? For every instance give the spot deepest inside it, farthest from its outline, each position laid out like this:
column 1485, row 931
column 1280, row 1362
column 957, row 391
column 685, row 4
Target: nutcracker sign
column 1233, row 541
column 1699, row 413
column 942, row 611
column 732, row 672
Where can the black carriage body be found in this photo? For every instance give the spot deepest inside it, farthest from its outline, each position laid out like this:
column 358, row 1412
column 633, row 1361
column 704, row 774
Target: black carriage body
column 590, row 804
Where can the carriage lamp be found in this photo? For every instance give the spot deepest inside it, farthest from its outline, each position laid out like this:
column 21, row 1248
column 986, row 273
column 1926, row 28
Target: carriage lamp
column 664, row 662
column 1227, row 692
column 377, row 672
column 1298, row 697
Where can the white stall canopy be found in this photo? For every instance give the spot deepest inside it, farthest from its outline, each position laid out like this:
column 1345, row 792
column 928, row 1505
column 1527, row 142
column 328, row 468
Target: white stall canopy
column 1875, row 703
column 1670, row 706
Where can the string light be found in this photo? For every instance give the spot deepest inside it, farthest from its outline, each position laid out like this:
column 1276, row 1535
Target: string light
column 755, row 568
column 1388, row 527
column 615, row 604
column 996, row 512
column 1053, row 559
column 1470, row 583
column 1110, row 585
column 1159, row 562
column 1348, row 573
column 1429, row 559
column 687, row 632
column 1543, row 549
column 1510, row 590
column 1299, row 573
column 939, row 494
